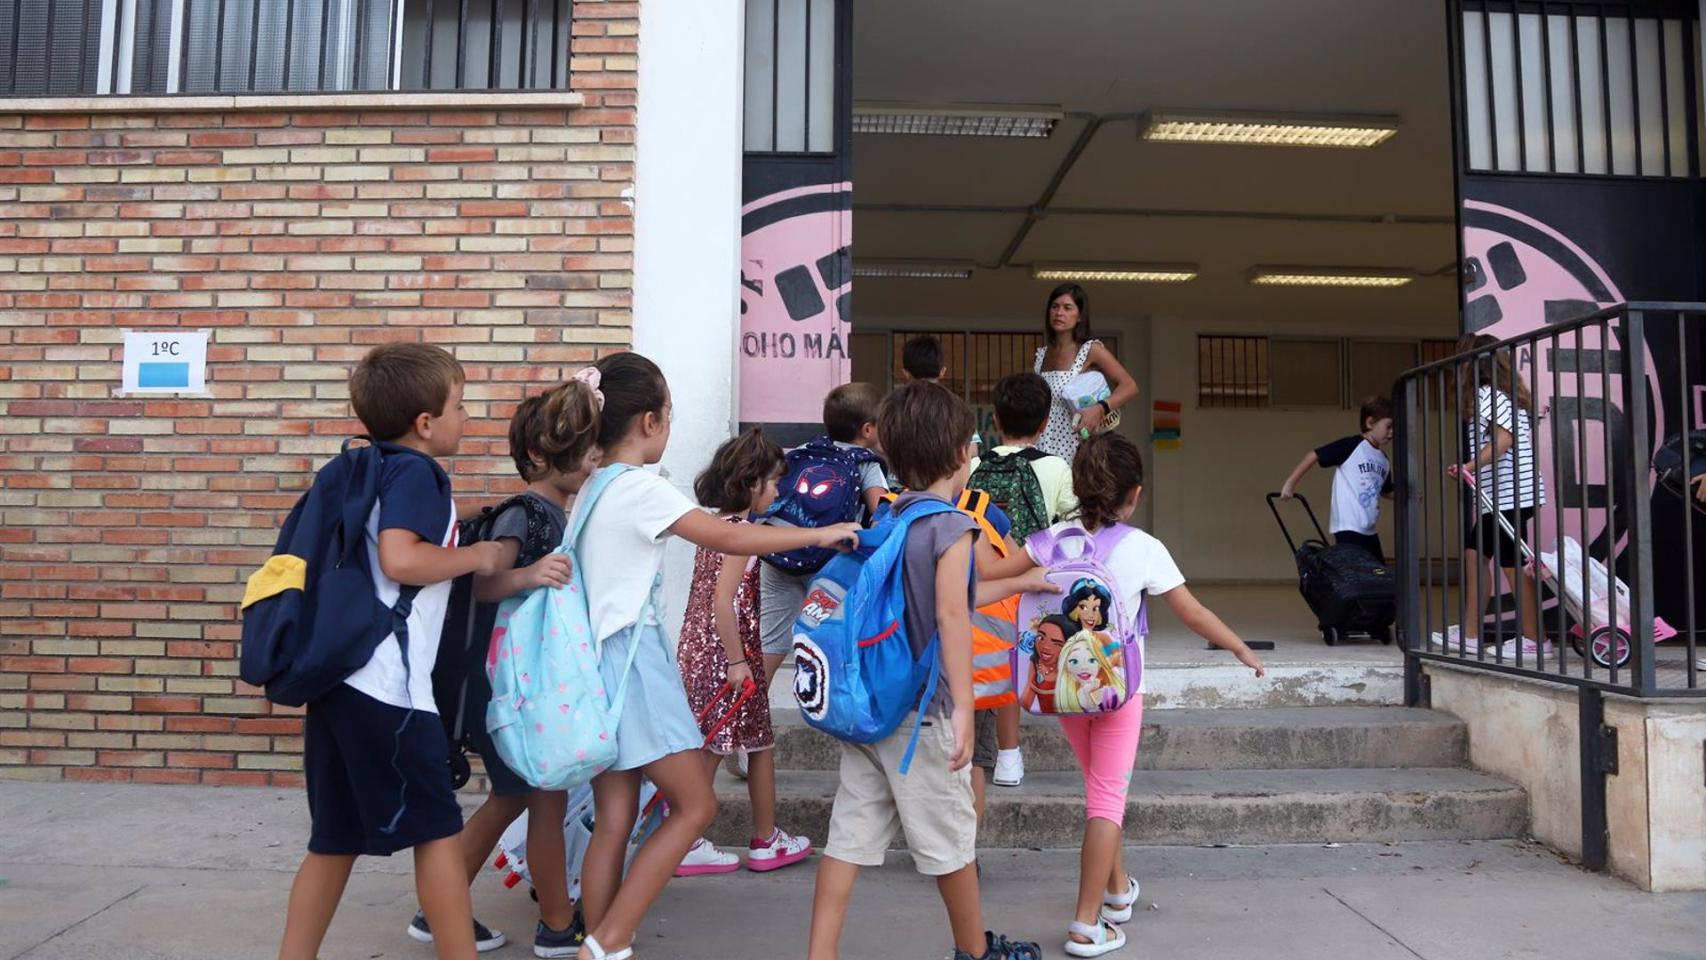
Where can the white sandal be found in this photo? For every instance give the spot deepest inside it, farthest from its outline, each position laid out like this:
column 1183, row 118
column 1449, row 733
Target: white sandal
column 1116, row 908
column 626, row 953
column 1104, row 938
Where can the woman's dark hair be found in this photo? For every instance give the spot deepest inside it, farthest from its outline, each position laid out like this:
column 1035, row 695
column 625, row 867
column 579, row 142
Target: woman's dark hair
column 1083, row 590
column 1105, row 470
column 566, row 428
column 633, row 386
column 738, row 466
column 1081, row 332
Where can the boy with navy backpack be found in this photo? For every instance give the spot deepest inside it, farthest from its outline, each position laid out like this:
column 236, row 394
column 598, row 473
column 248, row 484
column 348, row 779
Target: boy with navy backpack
column 375, row 756
column 834, row 478
column 927, row 434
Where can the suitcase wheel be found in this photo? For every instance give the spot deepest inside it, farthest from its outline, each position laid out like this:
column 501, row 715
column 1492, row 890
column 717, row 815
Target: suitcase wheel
column 1330, row 636
column 460, row 770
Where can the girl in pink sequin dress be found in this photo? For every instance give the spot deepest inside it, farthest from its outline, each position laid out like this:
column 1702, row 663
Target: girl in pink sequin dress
column 720, row 654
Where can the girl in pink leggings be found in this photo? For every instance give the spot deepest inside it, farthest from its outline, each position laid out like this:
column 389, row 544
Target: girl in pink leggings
column 1107, row 476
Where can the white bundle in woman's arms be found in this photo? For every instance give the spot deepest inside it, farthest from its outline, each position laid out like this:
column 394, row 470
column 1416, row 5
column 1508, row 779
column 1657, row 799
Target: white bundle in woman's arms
column 1086, row 390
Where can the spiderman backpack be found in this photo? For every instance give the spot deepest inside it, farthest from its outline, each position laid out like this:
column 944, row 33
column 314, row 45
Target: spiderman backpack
column 820, row 487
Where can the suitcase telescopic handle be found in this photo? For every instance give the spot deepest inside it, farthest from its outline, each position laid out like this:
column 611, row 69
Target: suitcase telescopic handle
column 1273, row 504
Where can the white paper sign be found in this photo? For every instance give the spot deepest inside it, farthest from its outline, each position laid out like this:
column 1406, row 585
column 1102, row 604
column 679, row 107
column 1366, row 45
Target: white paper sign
column 171, row 361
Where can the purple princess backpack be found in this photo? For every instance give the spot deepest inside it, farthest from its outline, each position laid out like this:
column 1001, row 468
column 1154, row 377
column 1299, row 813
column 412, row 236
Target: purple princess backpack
column 1078, row 651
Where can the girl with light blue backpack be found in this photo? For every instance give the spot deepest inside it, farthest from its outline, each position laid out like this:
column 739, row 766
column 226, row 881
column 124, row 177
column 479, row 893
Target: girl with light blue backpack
column 621, row 524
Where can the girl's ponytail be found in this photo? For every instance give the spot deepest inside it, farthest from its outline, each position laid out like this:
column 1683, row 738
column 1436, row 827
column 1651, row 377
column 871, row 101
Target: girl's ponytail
column 1106, row 469
column 568, row 425
column 632, row 387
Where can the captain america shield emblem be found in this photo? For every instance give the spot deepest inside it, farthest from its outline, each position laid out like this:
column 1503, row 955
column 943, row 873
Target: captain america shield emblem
column 811, row 678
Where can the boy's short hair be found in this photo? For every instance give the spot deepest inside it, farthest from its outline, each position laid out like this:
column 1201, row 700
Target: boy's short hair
column 397, row 382
column 1376, row 408
column 848, row 408
column 924, row 430
column 921, row 358
column 1022, row 402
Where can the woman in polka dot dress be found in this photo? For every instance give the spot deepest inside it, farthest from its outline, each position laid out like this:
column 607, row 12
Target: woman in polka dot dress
column 1068, row 351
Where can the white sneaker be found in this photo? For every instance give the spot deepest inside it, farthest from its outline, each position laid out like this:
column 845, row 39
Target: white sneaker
column 1009, row 768
column 1452, row 640
column 781, row 850
column 704, row 857
column 1530, row 649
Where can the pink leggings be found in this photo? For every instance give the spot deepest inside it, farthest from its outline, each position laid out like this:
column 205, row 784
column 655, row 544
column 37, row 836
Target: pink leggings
column 1106, row 747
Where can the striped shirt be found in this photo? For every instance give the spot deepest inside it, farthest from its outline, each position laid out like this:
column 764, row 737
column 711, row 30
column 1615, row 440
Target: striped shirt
column 1510, row 481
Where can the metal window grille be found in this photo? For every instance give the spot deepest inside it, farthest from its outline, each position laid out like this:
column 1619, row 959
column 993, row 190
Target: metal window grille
column 92, row 47
column 1607, row 89
column 1232, row 371
column 790, row 76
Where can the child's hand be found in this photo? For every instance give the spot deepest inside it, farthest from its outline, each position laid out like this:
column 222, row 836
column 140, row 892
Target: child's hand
column 553, row 570
column 1249, row 659
column 961, row 724
column 1035, row 580
column 1287, row 491
column 841, row 536
column 491, row 557
column 740, row 674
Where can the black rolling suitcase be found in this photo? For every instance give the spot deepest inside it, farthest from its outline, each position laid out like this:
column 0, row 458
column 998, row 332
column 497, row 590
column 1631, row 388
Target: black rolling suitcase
column 1347, row 589
column 1680, row 460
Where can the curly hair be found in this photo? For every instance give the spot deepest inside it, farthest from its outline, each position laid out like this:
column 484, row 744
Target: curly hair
column 1105, row 471
column 568, row 422
column 738, row 466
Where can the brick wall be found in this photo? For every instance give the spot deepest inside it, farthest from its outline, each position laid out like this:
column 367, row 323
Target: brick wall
column 300, row 238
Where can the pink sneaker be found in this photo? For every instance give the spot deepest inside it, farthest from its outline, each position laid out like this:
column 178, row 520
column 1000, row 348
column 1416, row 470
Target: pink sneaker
column 779, row 851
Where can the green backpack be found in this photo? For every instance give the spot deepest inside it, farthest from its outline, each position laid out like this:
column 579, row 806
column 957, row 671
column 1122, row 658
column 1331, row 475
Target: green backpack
column 1012, row 484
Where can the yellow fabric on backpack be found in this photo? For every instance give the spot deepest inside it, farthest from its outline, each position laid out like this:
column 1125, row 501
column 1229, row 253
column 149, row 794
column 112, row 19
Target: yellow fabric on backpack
column 281, row 572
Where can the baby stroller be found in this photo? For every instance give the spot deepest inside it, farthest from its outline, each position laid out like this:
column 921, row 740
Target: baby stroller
column 577, row 824
column 1602, row 627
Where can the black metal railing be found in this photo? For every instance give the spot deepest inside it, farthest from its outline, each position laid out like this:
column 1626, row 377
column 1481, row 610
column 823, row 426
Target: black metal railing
column 96, row 47
column 1587, row 508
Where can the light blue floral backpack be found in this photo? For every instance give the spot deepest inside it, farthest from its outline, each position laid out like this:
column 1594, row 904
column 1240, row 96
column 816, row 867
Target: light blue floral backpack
column 551, row 718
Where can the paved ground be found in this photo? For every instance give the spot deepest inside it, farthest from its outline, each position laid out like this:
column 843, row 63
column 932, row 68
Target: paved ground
column 161, row 873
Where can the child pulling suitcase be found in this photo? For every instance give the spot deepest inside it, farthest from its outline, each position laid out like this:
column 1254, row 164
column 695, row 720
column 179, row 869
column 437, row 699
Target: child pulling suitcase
column 1346, row 588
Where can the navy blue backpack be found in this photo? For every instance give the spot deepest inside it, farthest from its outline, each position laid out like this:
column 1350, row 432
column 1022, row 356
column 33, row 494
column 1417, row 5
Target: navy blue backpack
column 820, row 487
column 310, row 614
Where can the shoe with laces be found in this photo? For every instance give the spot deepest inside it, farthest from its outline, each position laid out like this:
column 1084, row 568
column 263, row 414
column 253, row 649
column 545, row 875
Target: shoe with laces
column 1530, row 649
column 999, row 947
column 552, row 944
column 485, row 940
column 1009, row 768
column 781, row 850
column 1453, row 640
column 704, row 857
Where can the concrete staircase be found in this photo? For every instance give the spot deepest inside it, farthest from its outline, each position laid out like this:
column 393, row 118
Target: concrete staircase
column 1281, row 773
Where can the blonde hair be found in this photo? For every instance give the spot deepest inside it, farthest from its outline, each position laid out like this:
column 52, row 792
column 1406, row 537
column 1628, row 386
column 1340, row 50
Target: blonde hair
column 1066, row 685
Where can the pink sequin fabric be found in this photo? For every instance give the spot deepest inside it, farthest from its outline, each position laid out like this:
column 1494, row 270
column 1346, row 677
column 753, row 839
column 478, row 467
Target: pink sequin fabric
column 705, row 667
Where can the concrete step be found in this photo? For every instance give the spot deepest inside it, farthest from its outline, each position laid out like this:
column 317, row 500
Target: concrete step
column 1197, row 807
column 1219, row 685
column 1282, row 738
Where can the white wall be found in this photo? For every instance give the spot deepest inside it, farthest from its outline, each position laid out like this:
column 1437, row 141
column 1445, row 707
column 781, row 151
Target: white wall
column 687, row 229
column 1208, row 497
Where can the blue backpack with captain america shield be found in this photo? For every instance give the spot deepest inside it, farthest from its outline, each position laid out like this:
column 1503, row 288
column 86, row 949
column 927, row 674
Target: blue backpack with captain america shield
column 855, row 675
column 820, row 487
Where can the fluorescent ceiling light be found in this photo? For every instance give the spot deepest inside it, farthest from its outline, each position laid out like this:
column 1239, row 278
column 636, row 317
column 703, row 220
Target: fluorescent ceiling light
column 1116, row 272
column 956, row 120
column 1329, row 277
column 1267, row 129
column 914, row 269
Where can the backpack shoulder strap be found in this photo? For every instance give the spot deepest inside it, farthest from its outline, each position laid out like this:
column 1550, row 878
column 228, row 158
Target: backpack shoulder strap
column 588, row 499
column 975, row 504
column 1032, row 454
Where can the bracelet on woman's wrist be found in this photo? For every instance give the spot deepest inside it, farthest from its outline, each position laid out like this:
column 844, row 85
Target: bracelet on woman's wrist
column 1107, row 407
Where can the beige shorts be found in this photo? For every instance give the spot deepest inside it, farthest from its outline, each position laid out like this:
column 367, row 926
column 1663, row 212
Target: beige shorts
column 930, row 803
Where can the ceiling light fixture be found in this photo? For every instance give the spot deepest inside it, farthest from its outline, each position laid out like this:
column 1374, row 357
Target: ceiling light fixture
column 956, row 120
column 1348, row 131
column 1116, row 272
column 1329, row 277
column 913, row 269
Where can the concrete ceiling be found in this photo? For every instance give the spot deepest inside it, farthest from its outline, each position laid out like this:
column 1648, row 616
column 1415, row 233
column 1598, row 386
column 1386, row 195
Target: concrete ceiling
column 1225, row 208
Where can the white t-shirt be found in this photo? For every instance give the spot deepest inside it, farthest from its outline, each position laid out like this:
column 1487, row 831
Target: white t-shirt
column 1141, row 565
column 622, row 546
column 1054, row 475
column 410, row 498
column 1363, row 474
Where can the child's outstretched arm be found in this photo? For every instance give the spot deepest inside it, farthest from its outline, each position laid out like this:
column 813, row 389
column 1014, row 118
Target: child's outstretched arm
column 1202, row 622
column 407, row 559
column 753, row 540
column 1289, row 489
column 551, row 570
column 1034, row 580
column 729, row 577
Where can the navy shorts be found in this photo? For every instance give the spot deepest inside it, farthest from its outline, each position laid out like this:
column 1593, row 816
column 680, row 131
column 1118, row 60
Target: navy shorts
column 378, row 776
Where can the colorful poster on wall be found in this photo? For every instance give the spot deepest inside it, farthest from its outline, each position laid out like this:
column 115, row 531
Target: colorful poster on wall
column 1166, row 426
